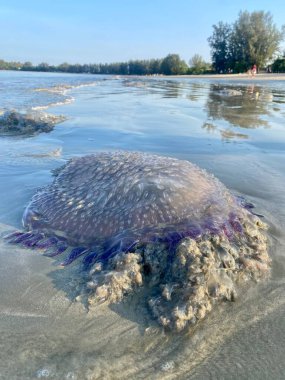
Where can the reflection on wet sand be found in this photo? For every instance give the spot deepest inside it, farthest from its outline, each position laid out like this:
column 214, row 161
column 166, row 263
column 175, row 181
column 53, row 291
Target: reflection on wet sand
column 227, row 134
column 165, row 88
column 196, row 91
column 240, row 106
column 168, row 88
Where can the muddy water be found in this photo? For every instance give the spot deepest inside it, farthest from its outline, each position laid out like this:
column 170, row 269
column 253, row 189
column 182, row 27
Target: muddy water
column 233, row 130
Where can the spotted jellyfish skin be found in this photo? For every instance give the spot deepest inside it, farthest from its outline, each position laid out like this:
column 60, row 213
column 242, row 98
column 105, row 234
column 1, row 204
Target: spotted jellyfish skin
column 120, row 195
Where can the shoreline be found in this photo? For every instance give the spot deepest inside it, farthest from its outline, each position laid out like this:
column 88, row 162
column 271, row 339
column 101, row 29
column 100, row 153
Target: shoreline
column 242, row 76
column 246, row 77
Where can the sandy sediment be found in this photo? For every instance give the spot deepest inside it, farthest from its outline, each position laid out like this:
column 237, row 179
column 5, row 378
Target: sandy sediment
column 183, row 287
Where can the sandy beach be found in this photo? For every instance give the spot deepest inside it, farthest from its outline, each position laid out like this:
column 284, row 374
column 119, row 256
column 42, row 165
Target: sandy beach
column 245, row 77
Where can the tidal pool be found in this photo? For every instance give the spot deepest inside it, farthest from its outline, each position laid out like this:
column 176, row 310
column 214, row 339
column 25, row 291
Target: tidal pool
column 233, row 129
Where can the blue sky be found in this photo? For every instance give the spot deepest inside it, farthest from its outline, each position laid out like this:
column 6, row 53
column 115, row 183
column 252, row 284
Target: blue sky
column 86, row 31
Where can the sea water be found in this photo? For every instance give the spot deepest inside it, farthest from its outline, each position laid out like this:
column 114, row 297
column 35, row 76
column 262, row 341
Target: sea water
column 234, row 129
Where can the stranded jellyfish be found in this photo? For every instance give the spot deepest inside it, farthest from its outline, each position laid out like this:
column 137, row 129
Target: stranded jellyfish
column 136, row 220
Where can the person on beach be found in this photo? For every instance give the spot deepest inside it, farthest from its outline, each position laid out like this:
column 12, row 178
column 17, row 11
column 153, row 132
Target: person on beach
column 253, row 70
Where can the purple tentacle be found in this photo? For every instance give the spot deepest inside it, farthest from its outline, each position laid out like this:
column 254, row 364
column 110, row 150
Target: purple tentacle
column 13, row 235
column 244, row 203
column 235, row 223
column 47, row 243
column 22, row 238
column 211, row 227
column 57, row 250
column 226, row 228
column 194, row 232
column 121, row 245
column 90, row 259
column 127, row 244
column 259, row 215
column 33, row 240
column 110, row 249
column 172, row 237
column 74, row 254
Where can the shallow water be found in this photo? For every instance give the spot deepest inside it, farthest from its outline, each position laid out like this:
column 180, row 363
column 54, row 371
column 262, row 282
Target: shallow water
column 234, row 130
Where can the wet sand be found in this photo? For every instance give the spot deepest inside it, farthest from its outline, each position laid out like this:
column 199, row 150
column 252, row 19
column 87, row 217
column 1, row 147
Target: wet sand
column 244, row 77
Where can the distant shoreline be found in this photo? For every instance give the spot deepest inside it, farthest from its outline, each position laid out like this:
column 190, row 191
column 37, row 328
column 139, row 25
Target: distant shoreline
column 245, row 76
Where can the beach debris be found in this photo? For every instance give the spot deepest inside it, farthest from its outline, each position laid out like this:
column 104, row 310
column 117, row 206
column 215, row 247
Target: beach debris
column 27, row 123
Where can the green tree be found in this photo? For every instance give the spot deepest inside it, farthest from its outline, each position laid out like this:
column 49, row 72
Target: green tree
column 173, row 65
column 220, row 46
column 278, row 65
column 256, row 38
column 64, row 67
column 43, row 67
column 155, row 66
column 198, row 65
column 27, row 66
column 3, row 65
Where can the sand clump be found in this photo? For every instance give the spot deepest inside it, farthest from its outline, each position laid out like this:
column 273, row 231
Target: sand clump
column 18, row 123
column 185, row 283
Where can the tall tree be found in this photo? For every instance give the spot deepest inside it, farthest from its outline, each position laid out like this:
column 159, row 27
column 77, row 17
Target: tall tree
column 220, row 46
column 255, row 38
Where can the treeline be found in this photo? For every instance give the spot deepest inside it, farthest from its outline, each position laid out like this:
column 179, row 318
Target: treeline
column 172, row 64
